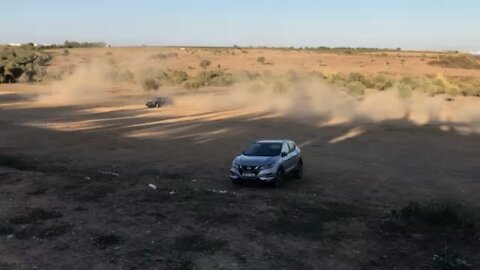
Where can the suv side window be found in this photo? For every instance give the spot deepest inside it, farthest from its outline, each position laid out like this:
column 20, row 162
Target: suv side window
column 292, row 146
column 285, row 148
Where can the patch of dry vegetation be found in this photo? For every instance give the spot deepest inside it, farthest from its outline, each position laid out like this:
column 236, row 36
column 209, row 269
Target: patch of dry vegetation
column 456, row 61
column 25, row 64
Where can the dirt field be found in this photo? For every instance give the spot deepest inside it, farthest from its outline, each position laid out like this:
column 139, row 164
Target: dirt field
column 75, row 173
column 276, row 60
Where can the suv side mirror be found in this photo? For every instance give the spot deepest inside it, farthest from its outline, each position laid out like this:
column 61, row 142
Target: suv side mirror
column 283, row 154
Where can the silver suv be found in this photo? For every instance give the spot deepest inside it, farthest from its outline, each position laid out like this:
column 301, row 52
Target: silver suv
column 268, row 161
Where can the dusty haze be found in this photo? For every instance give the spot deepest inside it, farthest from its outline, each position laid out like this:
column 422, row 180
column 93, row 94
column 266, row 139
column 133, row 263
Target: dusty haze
column 310, row 100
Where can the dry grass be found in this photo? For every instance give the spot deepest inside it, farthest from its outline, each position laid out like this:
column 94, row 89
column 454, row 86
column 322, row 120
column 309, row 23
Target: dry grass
column 463, row 61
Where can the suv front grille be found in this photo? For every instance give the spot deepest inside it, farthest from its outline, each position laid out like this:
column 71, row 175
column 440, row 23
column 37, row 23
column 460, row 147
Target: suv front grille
column 249, row 168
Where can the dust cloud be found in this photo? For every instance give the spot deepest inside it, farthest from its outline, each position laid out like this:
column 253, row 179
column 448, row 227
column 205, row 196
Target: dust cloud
column 315, row 102
column 311, row 101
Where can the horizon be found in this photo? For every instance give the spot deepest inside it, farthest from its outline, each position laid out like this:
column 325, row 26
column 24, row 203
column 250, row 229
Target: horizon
column 407, row 24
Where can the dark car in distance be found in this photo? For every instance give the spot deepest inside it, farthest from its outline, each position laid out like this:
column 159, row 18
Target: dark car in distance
column 159, row 102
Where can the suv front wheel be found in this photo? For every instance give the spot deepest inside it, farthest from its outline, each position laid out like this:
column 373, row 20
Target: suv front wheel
column 279, row 179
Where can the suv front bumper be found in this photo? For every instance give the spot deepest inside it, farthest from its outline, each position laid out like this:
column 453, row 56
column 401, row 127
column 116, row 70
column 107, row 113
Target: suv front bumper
column 267, row 175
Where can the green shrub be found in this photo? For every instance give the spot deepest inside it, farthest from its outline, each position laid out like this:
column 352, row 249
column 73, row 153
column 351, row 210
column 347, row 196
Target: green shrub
column 438, row 214
column 191, row 84
column 150, row 84
column 337, row 80
column 405, row 90
column 205, row 63
column 469, row 89
column 433, row 89
column 162, row 56
column 209, row 78
column 222, row 80
column 356, row 88
column 412, row 82
column 456, row 61
column 452, row 91
column 178, row 77
column 379, row 82
column 26, row 62
column 356, row 77
column 261, row 60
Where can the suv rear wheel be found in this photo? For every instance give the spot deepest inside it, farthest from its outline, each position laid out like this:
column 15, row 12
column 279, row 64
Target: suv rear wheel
column 299, row 170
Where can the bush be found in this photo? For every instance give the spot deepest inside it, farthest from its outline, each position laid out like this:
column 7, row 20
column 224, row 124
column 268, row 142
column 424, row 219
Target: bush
column 437, row 214
column 356, row 77
column 261, row 60
column 469, row 89
column 412, row 82
column 337, row 80
column 66, row 52
column 379, row 82
column 192, row 84
column 456, row 61
column 205, row 64
column 434, row 89
column 209, row 78
column 178, row 77
column 222, row 79
column 405, row 90
column 25, row 61
column 356, row 88
column 452, row 91
column 150, row 84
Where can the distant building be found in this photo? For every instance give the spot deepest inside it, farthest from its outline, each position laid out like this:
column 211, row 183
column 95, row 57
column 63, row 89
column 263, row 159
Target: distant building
column 15, row 44
column 477, row 53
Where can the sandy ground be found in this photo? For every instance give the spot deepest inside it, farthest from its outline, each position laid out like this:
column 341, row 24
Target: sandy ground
column 80, row 197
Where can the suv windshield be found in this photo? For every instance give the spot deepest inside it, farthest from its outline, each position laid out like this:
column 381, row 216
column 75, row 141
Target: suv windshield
column 263, row 149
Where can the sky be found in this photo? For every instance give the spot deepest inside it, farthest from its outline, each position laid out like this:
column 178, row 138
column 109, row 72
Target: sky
column 406, row 24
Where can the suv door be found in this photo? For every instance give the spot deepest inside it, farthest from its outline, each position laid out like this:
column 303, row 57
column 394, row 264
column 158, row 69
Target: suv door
column 286, row 159
column 295, row 153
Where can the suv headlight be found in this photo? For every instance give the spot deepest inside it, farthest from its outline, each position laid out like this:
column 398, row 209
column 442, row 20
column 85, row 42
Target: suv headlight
column 236, row 166
column 266, row 166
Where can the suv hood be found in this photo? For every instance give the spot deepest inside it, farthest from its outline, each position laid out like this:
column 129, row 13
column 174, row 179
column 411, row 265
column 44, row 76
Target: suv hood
column 254, row 160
